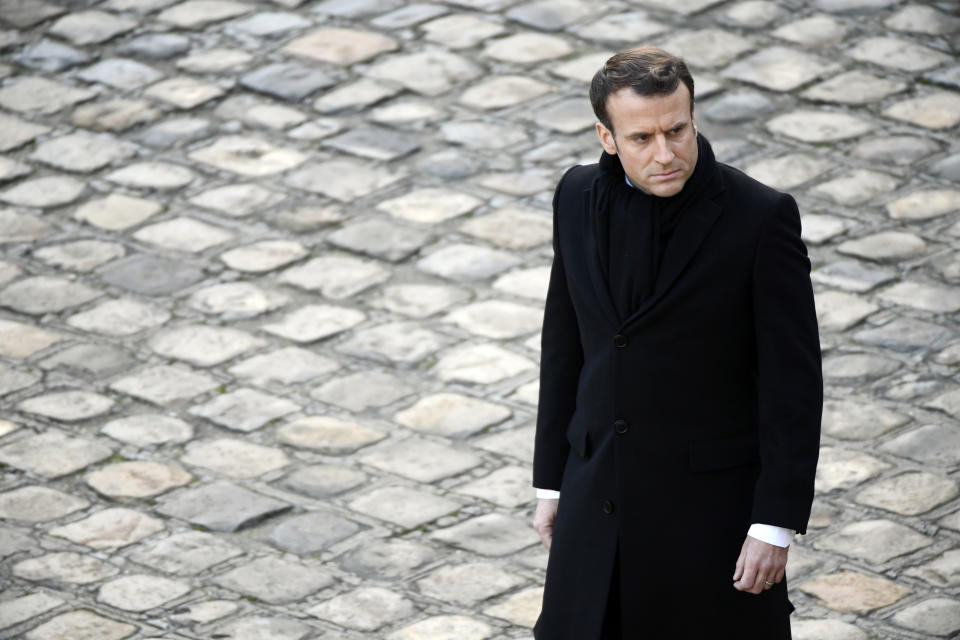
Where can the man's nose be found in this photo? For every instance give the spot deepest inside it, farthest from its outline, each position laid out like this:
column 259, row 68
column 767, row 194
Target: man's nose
column 663, row 154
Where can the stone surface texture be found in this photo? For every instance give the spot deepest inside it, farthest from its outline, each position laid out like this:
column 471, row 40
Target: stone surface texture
column 272, row 283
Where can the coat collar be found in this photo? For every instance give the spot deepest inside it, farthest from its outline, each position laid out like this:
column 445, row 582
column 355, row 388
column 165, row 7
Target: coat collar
column 689, row 234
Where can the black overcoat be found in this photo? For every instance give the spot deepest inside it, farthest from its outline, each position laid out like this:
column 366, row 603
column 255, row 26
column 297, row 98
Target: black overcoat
column 669, row 433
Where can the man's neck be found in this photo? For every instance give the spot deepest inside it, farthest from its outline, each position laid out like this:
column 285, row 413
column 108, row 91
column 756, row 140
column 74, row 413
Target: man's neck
column 627, row 178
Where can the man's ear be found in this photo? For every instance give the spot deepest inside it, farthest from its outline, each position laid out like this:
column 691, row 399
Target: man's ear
column 606, row 139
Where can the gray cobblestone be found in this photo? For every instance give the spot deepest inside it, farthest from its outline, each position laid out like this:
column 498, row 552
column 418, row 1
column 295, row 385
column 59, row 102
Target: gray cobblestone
column 364, row 609
column 255, row 627
column 46, row 294
column 936, row 616
column 824, row 629
column 851, row 591
column 444, row 626
column 403, row 506
column 81, row 625
column 779, row 68
column 843, row 468
column 89, row 360
column 141, row 592
column 17, row 610
column 221, row 506
column 327, row 434
column 68, row 406
column 234, row 458
column 186, row 553
column 909, row 493
column 38, row 504
column 52, row 454
column 275, row 580
column 363, row 390
column 110, row 529
column 64, row 568
column 138, row 479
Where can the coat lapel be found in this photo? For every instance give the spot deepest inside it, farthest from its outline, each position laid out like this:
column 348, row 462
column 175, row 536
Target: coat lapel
column 687, row 238
column 592, row 233
column 691, row 230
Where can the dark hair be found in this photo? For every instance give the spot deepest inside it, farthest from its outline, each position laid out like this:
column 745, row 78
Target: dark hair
column 648, row 70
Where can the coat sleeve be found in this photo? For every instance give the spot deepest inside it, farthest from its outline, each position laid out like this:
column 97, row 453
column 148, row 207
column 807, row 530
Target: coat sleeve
column 561, row 358
column 790, row 379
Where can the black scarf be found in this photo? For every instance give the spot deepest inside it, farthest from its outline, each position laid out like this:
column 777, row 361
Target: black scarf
column 633, row 227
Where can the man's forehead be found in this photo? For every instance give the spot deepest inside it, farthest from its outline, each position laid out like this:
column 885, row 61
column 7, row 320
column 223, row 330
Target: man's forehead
column 634, row 109
column 628, row 94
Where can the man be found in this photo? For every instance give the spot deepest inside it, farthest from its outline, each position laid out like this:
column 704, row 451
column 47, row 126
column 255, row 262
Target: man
column 680, row 387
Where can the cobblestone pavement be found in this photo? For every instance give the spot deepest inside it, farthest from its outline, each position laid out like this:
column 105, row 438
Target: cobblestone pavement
column 272, row 279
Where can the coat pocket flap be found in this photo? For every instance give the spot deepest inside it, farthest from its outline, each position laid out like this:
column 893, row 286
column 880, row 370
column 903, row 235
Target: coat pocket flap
column 579, row 438
column 723, row 453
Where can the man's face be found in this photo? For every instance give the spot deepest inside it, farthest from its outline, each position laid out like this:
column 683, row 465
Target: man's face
column 656, row 138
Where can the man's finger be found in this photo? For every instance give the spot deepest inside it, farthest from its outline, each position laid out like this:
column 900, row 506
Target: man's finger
column 546, row 536
column 761, row 563
column 738, row 570
column 745, row 583
column 755, row 585
column 764, row 573
column 546, row 533
column 543, row 519
column 761, row 584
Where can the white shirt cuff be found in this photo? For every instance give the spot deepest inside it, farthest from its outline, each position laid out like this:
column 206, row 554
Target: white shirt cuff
column 548, row 494
column 777, row 536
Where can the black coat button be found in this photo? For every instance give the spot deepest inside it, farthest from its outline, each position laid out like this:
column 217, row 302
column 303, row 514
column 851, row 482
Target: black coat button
column 607, row 506
column 621, row 426
column 620, row 340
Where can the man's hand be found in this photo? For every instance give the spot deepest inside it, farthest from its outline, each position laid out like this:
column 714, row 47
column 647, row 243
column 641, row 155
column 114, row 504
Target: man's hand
column 759, row 564
column 543, row 519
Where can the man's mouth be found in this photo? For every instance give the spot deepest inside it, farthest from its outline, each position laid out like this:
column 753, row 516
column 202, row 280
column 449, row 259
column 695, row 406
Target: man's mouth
column 667, row 175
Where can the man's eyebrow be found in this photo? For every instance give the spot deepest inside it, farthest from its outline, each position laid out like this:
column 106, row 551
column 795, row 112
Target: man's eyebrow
column 679, row 123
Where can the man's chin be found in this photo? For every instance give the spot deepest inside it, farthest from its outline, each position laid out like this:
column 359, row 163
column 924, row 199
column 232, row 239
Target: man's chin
column 666, row 190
